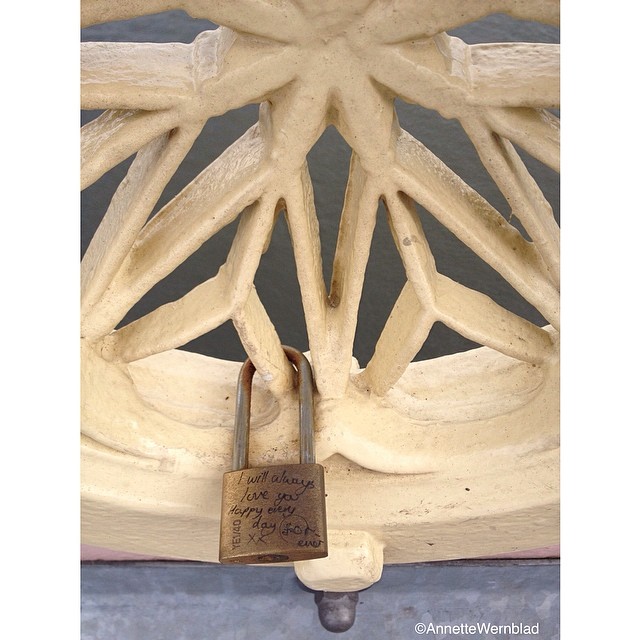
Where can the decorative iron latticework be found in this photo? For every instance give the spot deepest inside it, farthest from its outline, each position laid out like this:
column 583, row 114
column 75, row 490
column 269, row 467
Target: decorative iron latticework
column 451, row 457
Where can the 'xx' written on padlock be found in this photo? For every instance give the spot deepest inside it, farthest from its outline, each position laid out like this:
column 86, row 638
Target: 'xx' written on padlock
column 276, row 513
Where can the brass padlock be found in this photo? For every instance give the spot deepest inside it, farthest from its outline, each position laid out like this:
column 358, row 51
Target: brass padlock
column 277, row 513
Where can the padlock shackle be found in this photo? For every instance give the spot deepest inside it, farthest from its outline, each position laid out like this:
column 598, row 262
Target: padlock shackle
column 243, row 410
column 305, row 402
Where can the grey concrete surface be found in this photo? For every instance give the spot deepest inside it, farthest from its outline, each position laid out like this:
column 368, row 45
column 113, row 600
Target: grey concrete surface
column 193, row 601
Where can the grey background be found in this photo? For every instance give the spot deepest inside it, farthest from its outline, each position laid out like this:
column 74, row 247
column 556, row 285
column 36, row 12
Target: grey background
column 191, row 601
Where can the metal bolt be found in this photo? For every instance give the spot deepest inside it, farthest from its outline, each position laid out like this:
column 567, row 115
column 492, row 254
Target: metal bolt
column 337, row 611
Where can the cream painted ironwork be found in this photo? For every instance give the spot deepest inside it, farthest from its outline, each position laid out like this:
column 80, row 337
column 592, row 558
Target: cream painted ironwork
column 445, row 458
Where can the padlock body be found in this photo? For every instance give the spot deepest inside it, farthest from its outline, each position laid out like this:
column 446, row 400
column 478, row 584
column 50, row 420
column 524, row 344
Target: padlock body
column 273, row 514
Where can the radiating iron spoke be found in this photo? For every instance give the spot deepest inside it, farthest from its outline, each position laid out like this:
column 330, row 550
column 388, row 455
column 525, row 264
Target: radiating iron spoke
column 209, row 304
column 115, row 135
column 128, row 211
column 211, row 201
column 132, row 75
column 536, row 131
column 267, row 19
column 404, row 20
column 523, row 194
column 515, row 74
column 477, row 224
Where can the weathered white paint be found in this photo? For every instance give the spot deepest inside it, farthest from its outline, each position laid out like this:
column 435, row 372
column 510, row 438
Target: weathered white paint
column 448, row 458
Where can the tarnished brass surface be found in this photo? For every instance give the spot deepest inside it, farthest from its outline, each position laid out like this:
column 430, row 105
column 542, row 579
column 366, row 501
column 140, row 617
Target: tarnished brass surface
column 273, row 514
